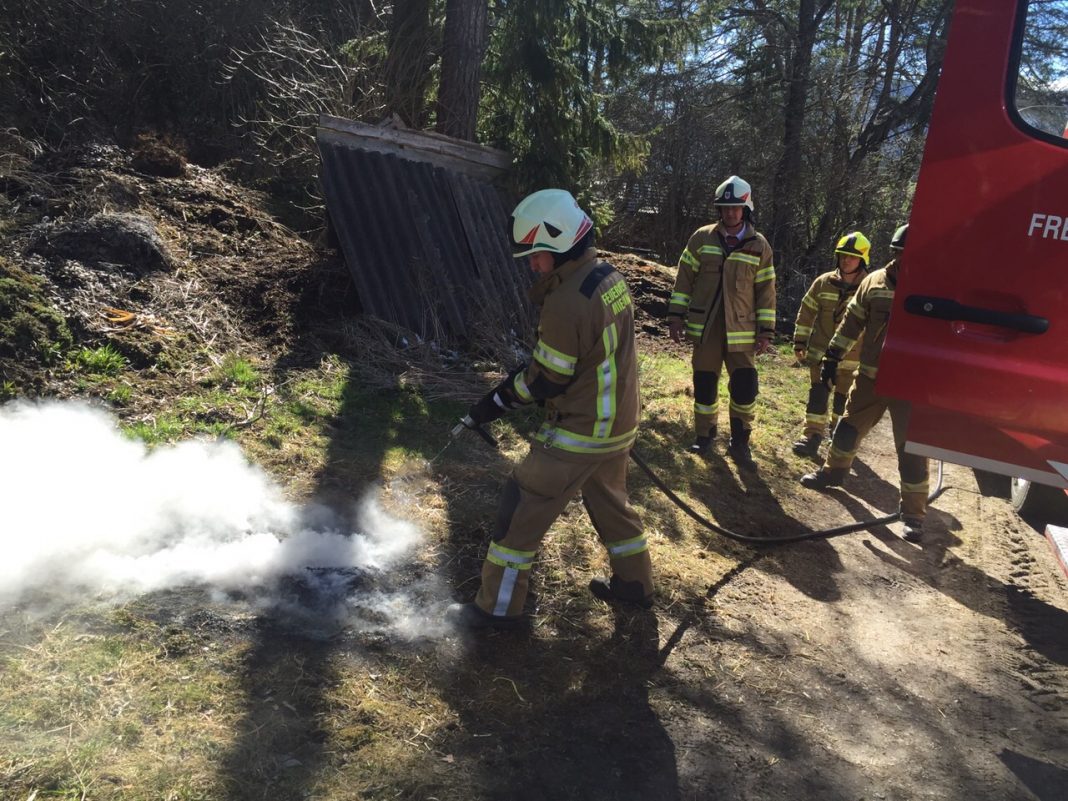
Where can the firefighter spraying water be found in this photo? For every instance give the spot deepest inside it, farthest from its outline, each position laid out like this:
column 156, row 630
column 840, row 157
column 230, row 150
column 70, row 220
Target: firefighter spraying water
column 584, row 370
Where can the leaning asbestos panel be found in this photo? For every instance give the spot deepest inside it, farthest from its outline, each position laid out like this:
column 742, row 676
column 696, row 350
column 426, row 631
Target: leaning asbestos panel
column 423, row 229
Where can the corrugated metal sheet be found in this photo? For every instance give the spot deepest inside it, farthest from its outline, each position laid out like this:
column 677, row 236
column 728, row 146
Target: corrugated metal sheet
column 426, row 241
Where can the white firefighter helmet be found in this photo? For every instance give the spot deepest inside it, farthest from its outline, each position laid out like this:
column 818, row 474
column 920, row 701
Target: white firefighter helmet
column 897, row 241
column 734, row 192
column 549, row 219
column 854, row 244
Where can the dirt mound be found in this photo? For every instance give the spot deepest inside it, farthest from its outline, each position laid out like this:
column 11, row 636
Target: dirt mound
column 650, row 285
column 157, row 262
column 130, row 240
column 153, row 157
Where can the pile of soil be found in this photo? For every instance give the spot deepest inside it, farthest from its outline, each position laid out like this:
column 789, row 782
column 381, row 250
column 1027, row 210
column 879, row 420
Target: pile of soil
column 155, row 257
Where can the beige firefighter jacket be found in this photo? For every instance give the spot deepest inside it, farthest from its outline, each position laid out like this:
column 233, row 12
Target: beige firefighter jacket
column 868, row 314
column 741, row 282
column 822, row 308
column 585, row 357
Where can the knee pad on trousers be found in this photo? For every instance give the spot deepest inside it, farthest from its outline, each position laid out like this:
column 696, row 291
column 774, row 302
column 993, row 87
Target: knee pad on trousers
column 845, row 437
column 839, row 403
column 506, row 509
column 818, row 395
column 704, row 386
column 911, row 468
column 743, row 385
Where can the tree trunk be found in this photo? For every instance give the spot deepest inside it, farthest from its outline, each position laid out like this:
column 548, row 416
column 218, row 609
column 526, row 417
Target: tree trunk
column 408, row 62
column 889, row 113
column 785, row 208
column 461, row 67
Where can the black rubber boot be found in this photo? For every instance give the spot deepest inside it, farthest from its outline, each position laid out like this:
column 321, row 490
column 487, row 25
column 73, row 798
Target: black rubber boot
column 615, row 589
column 808, row 445
column 702, row 445
column 824, row 477
column 739, row 446
column 470, row 616
column 913, row 530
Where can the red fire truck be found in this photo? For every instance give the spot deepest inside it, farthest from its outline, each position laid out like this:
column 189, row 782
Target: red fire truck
column 978, row 339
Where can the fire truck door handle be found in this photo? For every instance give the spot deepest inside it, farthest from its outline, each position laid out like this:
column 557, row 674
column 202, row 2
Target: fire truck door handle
column 948, row 309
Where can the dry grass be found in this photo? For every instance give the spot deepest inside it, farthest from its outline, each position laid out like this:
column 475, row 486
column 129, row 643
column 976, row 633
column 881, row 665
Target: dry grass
column 131, row 703
column 391, row 357
column 141, row 701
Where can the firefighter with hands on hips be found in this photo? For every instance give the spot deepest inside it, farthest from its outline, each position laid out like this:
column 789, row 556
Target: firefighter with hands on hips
column 822, row 308
column 584, row 370
column 724, row 303
column 869, row 312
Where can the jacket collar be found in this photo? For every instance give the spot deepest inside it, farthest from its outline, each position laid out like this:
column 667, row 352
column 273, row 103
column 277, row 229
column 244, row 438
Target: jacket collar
column 547, row 283
column 747, row 233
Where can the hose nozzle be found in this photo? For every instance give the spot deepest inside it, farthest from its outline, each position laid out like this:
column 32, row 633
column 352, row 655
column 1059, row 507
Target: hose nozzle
column 467, row 423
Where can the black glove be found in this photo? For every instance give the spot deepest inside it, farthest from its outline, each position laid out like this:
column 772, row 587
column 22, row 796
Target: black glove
column 486, row 410
column 497, row 401
column 828, row 370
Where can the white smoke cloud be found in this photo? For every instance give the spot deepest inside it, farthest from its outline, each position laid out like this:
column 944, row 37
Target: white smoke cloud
column 85, row 510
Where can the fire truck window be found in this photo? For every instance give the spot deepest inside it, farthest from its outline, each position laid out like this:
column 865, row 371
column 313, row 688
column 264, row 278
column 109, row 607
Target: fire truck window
column 1042, row 83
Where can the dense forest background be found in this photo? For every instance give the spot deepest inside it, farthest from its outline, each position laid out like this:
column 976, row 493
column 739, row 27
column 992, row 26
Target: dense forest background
column 641, row 108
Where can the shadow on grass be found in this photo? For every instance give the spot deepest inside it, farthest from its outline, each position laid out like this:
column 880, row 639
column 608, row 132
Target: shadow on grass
column 279, row 744
column 741, row 501
column 564, row 717
column 374, row 436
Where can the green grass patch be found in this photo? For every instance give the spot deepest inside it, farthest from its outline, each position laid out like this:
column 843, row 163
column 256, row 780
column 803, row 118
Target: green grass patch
column 157, row 429
column 120, row 395
column 100, row 361
column 235, row 371
column 33, row 333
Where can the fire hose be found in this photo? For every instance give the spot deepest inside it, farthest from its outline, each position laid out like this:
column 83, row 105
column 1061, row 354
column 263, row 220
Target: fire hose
column 848, row 528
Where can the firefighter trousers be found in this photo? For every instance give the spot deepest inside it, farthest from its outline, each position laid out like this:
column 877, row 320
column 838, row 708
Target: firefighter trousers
column 709, row 357
column 863, row 411
column 538, row 491
column 820, row 410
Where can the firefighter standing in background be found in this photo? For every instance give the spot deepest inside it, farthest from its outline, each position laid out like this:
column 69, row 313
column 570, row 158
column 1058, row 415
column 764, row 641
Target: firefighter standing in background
column 869, row 312
column 724, row 303
column 584, row 369
column 821, row 310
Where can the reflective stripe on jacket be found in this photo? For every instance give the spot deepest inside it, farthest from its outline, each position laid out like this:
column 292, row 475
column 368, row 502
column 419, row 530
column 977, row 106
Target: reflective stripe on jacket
column 868, row 314
column 740, row 282
column 822, row 308
column 586, row 342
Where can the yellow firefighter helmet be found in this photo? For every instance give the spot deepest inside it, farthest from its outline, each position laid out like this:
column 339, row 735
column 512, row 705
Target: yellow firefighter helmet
column 854, row 244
